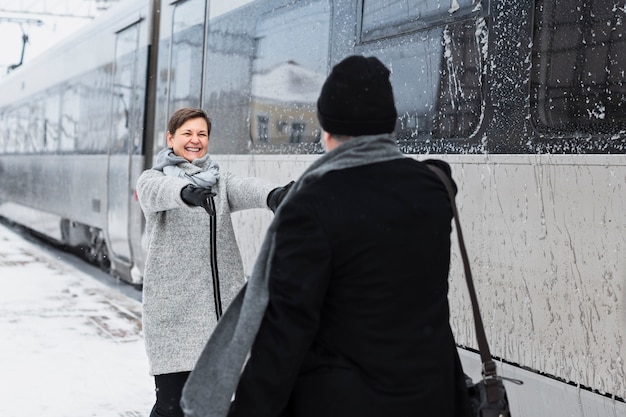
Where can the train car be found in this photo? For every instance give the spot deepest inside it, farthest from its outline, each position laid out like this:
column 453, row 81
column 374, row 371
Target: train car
column 525, row 99
column 72, row 125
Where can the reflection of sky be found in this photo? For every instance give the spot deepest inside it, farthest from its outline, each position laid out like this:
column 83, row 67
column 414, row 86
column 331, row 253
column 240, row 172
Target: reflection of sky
column 300, row 35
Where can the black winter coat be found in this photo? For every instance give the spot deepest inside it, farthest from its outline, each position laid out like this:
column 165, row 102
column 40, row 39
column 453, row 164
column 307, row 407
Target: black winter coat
column 358, row 319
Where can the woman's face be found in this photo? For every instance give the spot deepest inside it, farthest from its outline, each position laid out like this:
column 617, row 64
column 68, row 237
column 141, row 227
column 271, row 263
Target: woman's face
column 191, row 140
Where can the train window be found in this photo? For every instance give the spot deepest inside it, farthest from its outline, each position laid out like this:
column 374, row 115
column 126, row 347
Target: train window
column 23, row 140
column 267, row 79
column 383, row 18
column 229, row 51
column 95, row 105
column 36, row 123
column 288, row 69
column 69, row 120
column 23, row 128
column 25, row 144
column 578, row 84
column 438, row 83
column 51, row 122
column 186, row 54
column 10, row 127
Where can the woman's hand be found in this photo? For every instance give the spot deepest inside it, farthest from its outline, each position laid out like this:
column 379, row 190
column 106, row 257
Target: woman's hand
column 198, row 197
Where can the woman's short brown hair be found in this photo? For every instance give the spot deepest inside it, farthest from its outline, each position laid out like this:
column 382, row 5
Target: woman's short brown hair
column 180, row 116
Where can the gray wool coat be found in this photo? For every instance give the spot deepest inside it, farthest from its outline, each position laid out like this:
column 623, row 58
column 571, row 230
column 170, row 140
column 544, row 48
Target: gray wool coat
column 178, row 305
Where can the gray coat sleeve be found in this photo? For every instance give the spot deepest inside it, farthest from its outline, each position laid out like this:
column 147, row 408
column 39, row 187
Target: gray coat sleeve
column 159, row 192
column 247, row 192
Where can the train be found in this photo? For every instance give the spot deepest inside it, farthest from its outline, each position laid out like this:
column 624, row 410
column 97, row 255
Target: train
column 526, row 100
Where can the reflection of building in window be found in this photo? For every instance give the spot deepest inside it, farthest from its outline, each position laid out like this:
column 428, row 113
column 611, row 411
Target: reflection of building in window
column 262, row 128
column 283, row 105
column 577, row 80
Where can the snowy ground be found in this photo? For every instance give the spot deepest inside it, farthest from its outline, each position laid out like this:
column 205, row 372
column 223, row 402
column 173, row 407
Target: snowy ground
column 71, row 346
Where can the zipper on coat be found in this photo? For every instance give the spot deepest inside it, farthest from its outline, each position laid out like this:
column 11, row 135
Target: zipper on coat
column 214, row 272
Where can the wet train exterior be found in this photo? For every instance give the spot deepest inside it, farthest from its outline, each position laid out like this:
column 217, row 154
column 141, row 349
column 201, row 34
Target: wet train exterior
column 525, row 99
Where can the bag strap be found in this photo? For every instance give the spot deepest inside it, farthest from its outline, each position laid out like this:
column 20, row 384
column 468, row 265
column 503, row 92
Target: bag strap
column 489, row 366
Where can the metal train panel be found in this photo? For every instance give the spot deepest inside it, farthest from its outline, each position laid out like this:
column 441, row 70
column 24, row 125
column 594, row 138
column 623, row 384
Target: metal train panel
column 546, row 247
column 65, row 185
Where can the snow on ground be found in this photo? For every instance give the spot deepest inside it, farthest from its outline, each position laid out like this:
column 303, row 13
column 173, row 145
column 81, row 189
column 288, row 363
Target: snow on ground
column 70, row 345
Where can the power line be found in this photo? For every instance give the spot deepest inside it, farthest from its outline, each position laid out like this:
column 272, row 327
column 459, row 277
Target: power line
column 86, row 9
column 21, row 20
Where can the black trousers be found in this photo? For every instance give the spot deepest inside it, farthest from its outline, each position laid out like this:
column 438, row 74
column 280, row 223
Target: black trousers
column 169, row 388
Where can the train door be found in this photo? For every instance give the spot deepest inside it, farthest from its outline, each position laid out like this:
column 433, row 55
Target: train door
column 126, row 128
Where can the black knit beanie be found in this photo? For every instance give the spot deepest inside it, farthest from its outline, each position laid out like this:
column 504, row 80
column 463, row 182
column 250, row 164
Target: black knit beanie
column 357, row 98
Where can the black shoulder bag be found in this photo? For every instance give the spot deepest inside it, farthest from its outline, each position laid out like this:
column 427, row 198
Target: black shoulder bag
column 488, row 396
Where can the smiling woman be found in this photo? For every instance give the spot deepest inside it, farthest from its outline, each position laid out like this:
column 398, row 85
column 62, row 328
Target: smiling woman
column 187, row 202
column 187, row 135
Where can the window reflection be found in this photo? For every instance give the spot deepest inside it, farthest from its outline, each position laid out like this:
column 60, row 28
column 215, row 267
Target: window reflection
column 186, row 55
column 578, row 59
column 95, row 107
column 383, row 18
column 69, row 120
column 284, row 101
column 51, row 122
column 437, row 81
column 276, row 61
column 289, row 67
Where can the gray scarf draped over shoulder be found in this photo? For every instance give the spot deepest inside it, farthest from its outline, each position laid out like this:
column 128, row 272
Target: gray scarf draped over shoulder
column 210, row 387
column 201, row 171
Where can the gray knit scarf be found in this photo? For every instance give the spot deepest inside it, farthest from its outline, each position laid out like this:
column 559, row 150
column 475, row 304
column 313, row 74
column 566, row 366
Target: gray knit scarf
column 201, row 171
column 210, row 387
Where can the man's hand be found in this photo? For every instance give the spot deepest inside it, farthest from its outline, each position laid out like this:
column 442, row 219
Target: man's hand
column 276, row 196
